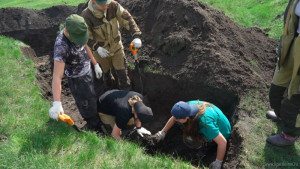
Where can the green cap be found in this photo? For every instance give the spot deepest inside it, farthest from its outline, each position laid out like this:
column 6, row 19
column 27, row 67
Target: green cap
column 77, row 29
column 103, row 2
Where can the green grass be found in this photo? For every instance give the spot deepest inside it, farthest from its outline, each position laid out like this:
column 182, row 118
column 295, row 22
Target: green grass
column 256, row 128
column 259, row 13
column 29, row 139
column 38, row 4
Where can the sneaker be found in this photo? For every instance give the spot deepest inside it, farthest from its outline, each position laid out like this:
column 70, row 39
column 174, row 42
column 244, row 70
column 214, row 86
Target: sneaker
column 272, row 115
column 281, row 140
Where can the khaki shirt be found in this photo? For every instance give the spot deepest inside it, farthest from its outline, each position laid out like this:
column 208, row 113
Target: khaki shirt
column 103, row 26
column 287, row 73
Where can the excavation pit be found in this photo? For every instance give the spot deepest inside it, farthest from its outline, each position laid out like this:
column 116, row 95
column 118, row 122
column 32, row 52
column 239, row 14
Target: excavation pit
column 162, row 92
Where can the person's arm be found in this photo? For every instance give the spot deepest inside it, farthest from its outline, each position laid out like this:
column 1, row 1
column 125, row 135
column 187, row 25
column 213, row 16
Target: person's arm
column 116, row 132
column 98, row 70
column 169, row 124
column 58, row 73
column 126, row 20
column 160, row 135
column 138, row 123
column 90, row 54
column 222, row 143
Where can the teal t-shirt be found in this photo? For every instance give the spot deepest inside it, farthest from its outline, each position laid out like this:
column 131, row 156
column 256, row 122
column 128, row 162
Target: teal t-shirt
column 212, row 122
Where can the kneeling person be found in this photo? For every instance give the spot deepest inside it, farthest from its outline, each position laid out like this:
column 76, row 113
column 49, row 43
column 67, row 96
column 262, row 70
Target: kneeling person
column 124, row 105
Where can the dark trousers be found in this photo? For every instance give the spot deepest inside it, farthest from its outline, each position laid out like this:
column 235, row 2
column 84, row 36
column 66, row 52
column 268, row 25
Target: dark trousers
column 82, row 89
column 286, row 109
column 290, row 109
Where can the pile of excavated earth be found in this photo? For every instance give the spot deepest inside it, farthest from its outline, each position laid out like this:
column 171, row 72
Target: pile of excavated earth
column 189, row 51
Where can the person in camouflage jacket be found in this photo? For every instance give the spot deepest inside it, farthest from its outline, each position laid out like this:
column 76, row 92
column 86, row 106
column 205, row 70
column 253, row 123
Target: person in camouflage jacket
column 284, row 93
column 103, row 18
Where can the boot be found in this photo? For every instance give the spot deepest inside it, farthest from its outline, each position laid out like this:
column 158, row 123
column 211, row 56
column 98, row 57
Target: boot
column 281, row 140
column 123, row 80
column 272, row 115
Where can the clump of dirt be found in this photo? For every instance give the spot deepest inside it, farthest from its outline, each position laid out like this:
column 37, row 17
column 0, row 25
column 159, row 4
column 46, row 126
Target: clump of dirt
column 189, row 52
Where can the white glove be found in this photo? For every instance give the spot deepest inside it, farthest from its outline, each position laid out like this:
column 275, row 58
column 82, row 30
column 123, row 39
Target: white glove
column 159, row 136
column 98, row 71
column 103, row 52
column 137, row 42
column 55, row 110
column 141, row 131
column 216, row 164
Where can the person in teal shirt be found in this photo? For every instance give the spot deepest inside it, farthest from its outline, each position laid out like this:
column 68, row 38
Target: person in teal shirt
column 203, row 119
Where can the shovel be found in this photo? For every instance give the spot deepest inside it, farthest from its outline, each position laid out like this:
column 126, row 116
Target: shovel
column 67, row 119
column 135, row 55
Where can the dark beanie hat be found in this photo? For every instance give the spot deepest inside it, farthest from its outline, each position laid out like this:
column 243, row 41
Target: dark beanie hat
column 143, row 112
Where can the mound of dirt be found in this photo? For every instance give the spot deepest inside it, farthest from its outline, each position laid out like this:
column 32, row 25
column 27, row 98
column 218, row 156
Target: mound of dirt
column 38, row 28
column 201, row 45
column 190, row 52
column 183, row 38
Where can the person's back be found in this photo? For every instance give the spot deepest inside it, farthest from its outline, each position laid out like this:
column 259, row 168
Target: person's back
column 212, row 122
column 74, row 56
column 115, row 103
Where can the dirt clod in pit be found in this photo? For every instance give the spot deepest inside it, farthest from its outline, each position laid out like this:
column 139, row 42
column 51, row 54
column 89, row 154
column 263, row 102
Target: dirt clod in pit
column 190, row 51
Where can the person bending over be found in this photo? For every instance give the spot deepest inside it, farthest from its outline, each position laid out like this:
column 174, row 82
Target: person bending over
column 203, row 119
column 117, row 107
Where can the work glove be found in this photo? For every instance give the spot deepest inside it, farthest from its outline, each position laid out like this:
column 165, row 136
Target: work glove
column 103, row 52
column 55, row 110
column 159, row 136
column 137, row 43
column 216, row 164
column 141, row 131
column 98, row 71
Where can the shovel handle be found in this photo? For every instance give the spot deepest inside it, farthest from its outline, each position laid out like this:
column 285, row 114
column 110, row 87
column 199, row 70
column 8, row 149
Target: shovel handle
column 66, row 118
column 133, row 51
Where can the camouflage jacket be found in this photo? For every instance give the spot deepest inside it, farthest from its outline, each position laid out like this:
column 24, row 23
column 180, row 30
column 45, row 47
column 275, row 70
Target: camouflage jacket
column 104, row 26
column 288, row 38
column 77, row 62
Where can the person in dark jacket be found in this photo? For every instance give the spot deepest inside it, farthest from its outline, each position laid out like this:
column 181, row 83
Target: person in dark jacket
column 123, row 105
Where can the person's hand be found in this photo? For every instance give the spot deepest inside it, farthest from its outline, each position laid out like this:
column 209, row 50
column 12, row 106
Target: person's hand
column 98, row 71
column 55, row 110
column 103, row 52
column 159, row 136
column 142, row 131
column 216, row 164
column 137, row 42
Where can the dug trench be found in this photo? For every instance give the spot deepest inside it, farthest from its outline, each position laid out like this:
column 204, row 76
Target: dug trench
column 189, row 51
column 161, row 91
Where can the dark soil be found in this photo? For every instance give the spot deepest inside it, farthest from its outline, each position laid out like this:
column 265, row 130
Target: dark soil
column 192, row 52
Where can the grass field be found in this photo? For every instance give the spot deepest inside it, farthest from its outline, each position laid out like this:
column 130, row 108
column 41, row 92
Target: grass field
column 266, row 14
column 29, row 139
column 38, row 4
